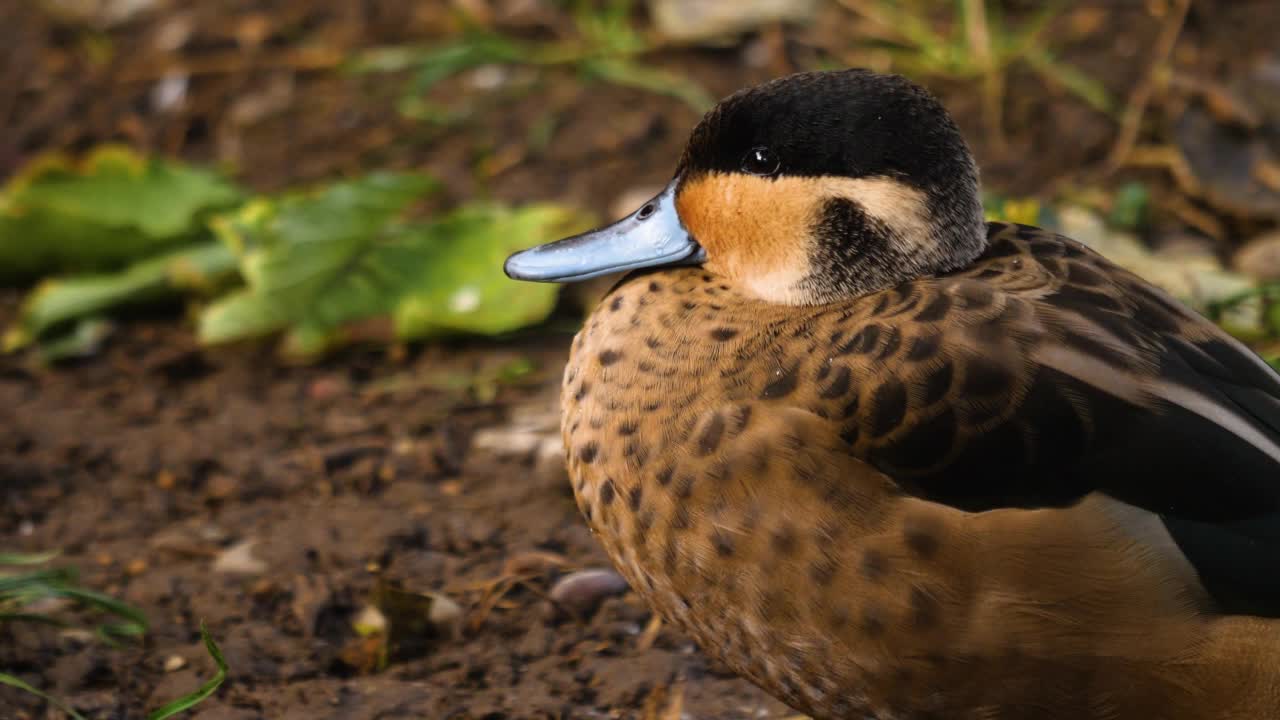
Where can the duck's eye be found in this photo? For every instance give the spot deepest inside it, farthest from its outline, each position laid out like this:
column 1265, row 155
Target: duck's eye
column 760, row 161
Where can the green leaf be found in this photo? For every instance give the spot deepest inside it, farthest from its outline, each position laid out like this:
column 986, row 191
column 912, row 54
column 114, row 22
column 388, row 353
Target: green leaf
column 465, row 290
column 186, row 702
column 999, row 208
column 1131, row 205
column 241, row 315
column 85, row 339
column 10, row 680
column 345, row 264
column 290, row 251
column 203, row 266
column 113, row 207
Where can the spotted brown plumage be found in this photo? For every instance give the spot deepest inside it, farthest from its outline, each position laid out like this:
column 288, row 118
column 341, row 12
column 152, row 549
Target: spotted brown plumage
column 888, row 466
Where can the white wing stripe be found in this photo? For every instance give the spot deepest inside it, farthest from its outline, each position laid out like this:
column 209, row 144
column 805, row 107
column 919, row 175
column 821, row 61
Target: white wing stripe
column 1112, row 381
column 1221, row 416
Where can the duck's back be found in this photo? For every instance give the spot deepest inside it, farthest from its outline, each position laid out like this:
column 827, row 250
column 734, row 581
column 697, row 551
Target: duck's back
column 1037, row 376
column 798, row 488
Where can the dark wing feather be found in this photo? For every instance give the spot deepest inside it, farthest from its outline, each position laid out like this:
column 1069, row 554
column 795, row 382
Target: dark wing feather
column 1110, row 386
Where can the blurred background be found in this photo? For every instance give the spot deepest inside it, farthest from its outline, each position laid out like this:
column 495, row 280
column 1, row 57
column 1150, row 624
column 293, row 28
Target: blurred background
column 262, row 370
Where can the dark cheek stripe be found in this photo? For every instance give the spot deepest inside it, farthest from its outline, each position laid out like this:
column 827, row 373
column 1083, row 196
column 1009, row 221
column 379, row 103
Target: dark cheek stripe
column 852, row 250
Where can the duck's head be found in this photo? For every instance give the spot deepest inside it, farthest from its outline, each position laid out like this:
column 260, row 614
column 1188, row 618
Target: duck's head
column 803, row 190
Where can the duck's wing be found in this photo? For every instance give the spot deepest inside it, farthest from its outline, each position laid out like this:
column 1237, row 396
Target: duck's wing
column 1044, row 373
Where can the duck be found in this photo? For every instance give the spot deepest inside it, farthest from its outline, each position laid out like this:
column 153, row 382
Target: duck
column 886, row 459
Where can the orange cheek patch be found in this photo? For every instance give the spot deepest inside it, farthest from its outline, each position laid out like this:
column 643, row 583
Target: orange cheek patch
column 759, row 232
column 754, row 229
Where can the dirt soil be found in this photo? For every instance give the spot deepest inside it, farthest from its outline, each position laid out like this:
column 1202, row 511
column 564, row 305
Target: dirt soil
column 147, row 464
column 153, row 462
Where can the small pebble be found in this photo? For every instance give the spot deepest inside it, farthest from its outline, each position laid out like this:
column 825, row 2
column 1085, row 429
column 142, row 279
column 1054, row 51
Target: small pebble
column 369, row 621
column 239, row 560
column 78, row 636
column 221, row 486
column 550, row 469
column 507, row 440
column 174, row 33
column 693, row 20
column 580, row 593
column 489, row 77
column 1260, row 257
column 174, row 663
column 326, row 387
column 445, row 614
column 170, row 92
column 212, row 533
column 47, row 605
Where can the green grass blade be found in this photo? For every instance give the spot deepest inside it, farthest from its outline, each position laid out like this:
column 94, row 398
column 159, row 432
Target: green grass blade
column 40, row 582
column 11, row 681
column 187, row 702
column 1029, row 36
column 108, row 604
column 28, row 558
column 1071, row 78
column 22, row 589
column 655, row 80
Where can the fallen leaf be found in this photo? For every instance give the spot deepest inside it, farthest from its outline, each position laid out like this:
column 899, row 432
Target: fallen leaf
column 55, row 302
column 324, row 267
column 416, row 620
column 113, row 207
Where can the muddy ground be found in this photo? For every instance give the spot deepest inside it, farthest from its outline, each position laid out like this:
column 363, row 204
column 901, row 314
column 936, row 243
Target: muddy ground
column 146, row 464
column 150, row 463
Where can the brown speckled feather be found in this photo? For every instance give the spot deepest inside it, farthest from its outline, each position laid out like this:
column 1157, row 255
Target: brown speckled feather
column 969, row 496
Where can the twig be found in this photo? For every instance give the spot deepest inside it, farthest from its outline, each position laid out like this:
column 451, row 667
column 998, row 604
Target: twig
column 1169, row 158
column 1131, row 121
column 650, row 633
column 1182, row 208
